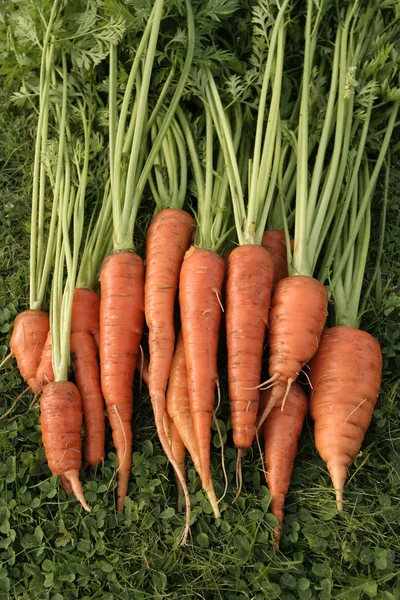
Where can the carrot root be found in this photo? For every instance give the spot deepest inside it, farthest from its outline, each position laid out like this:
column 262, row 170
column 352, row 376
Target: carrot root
column 14, row 404
column 73, row 478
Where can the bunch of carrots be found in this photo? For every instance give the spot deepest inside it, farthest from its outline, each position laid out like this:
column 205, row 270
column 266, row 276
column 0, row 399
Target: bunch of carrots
column 263, row 183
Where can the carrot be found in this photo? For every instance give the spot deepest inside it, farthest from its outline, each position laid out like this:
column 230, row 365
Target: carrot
column 296, row 321
column 178, row 409
column 346, row 376
column 248, row 294
column 121, row 325
column 61, row 424
column 274, row 241
column 27, row 341
column 201, row 280
column 44, row 372
column 84, row 330
column 282, row 430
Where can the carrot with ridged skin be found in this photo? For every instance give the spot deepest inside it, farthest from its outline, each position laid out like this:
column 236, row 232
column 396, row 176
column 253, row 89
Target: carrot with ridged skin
column 28, row 338
column 61, row 424
column 178, row 409
column 282, row 429
column 121, row 326
column 274, row 241
column 248, row 294
column 85, row 328
column 345, row 375
column 45, row 373
column 201, row 280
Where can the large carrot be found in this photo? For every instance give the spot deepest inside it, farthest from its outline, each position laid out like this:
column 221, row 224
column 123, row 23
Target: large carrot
column 345, row 375
column 121, row 325
column 281, row 431
column 201, row 280
column 346, row 372
column 178, row 409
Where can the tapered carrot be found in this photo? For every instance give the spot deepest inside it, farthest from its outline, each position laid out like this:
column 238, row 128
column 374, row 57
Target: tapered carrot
column 201, row 280
column 248, row 295
column 61, row 423
column 85, row 328
column 346, row 375
column 178, row 409
column 121, row 325
column 274, row 241
column 27, row 341
column 44, row 372
column 179, row 453
column 282, row 429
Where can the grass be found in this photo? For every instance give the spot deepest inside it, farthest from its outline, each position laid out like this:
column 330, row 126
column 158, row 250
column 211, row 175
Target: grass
column 50, row 549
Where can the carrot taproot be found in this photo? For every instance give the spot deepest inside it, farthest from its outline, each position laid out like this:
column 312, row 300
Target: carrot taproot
column 44, row 372
column 248, row 294
column 85, row 328
column 282, row 429
column 61, row 423
column 178, row 409
column 121, row 326
column 346, row 376
column 201, row 280
column 178, row 450
column 296, row 321
column 274, row 241
column 27, row 341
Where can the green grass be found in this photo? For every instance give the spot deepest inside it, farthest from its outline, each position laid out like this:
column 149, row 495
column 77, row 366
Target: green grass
column 51, row 549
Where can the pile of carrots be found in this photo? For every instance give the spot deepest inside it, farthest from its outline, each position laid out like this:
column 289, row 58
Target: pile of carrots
column 280, row 201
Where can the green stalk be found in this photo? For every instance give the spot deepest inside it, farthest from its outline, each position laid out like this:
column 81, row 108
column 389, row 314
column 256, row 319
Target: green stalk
column 35, row 301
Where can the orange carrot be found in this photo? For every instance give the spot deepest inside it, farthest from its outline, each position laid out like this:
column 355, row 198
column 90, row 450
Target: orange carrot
column 248, row 295
column 84, row 327
column 178, row 409
column 61, row 424
column 167, row 240
column 274, row 241
column 201, row 280
column 296, row 321
column 346, row 375
column 27, row 340
column 121, row 325
column 45, row 373
column 282, row 430
column 179, row 453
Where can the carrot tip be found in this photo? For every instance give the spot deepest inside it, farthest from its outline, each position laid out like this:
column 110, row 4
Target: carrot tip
column 339, row 500
column 73, row 477
column 239, row 479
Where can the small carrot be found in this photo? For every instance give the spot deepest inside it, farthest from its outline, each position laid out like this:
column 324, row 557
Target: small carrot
column 179, row 453
column 28, row 338
column 282, row 429
column 178, row 409
column 61, row 424
column 121, row 325
column 345, row 375
column 85, row 313
column 45, row 373
column 201, row 280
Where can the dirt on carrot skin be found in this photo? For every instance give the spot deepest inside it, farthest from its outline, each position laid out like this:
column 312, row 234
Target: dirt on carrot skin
column 346, row 376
